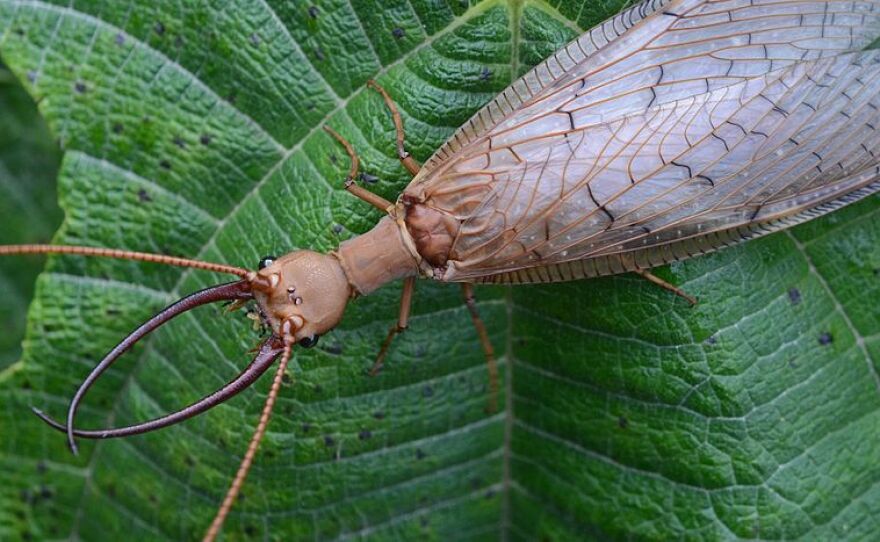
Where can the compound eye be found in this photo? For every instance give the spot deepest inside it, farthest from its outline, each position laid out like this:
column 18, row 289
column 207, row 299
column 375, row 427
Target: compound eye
column 265, row 262
column 309, row 342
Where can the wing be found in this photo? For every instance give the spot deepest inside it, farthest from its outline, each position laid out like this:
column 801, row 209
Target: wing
column 706, row 118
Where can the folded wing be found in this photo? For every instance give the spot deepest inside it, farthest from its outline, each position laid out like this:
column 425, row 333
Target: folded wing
column 697, row 120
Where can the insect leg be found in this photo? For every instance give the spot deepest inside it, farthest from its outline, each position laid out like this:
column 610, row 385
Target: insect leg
column 405, row 158
column 409, row 285
column 248, row 458
column 467, row 290
column 665, row 285
column 373, row 199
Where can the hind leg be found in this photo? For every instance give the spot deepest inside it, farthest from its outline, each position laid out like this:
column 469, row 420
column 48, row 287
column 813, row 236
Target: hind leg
column 667, row 286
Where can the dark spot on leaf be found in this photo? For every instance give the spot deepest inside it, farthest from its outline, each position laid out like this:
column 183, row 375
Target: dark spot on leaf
column 26, row 385
column 24, row 495
column 179, row 142
column 19, row 31
column 313, row 12
column 205, row 139
column 319, row 54
column 120, row 39
column 41, row 467
column 306, row 427
column 110, row 490
column 117, row 128
column 165, row 164
column 250, row 530
column 46, row 492
column 427, row 391
column 189, row 461
column 365, row 434
column 337, row 228
column 159, row 28
column 367, row 178
column 231, row 97
column 794, row 295
column 328, row 441
column 26, row 535
column 32, row 76
column 793, row 363
column 178, row 42
column 421, row 350
column 255, row 39
column 420, row 454
column 826, row 338
column 711, row 339
column 379, row 415
column 476, row 483
column 286, row 378
column 333, row 159
column 485, row 74
column 332, row 348
column 143, row 196
column 423, row 521
column 622, row 422
column 398, row 33
column 80, row 87
column 146, row 119
column 318, row 388
column 113, row 312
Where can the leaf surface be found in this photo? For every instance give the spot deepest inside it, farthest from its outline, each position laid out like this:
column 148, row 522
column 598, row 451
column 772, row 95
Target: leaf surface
column 196, row 131
column 28, row 166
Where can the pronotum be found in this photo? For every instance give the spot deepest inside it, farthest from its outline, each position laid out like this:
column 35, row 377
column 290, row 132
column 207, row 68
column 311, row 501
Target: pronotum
column 671, row 130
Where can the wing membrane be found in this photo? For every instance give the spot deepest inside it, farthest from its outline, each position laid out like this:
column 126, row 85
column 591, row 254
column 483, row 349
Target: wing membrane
column 709, row 116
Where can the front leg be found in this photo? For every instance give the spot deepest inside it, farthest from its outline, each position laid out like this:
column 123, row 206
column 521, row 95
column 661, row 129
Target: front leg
column 409, row 285
column 405, row 158
column 375, row 200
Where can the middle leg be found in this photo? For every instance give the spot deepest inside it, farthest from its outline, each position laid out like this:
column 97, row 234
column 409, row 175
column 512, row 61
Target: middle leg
column 467, row 291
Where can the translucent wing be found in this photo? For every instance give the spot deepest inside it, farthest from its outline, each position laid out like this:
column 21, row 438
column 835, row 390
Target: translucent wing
column 704, row 123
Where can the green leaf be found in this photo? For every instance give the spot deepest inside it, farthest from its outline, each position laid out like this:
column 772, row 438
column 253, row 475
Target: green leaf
column 28, row 166
column 197, row 131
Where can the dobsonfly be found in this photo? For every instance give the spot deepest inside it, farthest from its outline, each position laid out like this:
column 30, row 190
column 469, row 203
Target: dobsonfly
column 673, row 129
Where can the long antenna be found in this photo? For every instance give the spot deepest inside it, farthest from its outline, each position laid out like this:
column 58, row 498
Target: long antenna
column 248, row 458
column 122, row 255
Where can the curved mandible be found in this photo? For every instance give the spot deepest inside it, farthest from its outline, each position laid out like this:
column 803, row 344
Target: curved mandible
column 237, row 290
column 269, row 350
